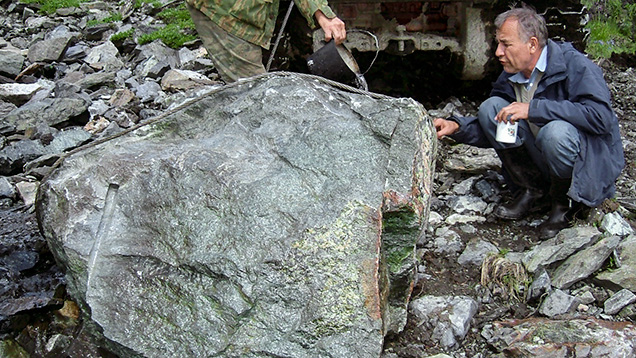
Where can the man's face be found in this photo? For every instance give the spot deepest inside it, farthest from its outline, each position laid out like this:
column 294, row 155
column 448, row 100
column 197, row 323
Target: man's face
column 514, row 54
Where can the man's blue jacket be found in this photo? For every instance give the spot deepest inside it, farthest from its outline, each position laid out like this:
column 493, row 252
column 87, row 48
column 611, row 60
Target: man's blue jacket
column 572, row 89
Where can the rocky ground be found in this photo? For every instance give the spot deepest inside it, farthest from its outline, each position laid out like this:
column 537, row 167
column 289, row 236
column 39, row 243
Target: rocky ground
column 467, row 303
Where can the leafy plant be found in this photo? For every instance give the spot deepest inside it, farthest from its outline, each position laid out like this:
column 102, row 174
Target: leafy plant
column 50, row 6
column 179, row 28
column 120, row 36
column 113, row 18
column 612, row 27
column 155, row 3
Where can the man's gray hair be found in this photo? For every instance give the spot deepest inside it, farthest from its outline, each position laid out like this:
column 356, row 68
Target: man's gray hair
column 530, row 24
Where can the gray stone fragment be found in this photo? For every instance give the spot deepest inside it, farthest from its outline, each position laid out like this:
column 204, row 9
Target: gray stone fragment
column 487, row 190
column 27, row 191
column 48, row 50
column 467, row 204
column 76, row 52
column 68, row 139
column 464, row 187
column 5, row 108
column 182, row 80
column 614, row 224
column 104, row 57
column 591, row 338
column 52, row 111
column 619, row 300
column 7, row 190
column 558, row 303
column 467, row 159
column 11, row 62
column 625, row 275
column 18, row 93
column 62, row 31
column 14, row 156
column 96, row 32
column 584, row 263
column 566, row 243
column 476, row 251
column 148, row 91
column 540, row 285
column 447, row 317
column 447, row 241
column 153, row 53
column 459, row 218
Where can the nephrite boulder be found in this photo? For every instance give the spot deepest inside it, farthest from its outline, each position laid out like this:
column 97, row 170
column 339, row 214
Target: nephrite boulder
column 276, row 216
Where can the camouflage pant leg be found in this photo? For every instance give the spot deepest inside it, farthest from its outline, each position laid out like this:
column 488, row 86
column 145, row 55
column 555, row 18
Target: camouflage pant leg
column 233, row 57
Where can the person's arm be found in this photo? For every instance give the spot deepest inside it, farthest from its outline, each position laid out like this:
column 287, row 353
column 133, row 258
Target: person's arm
column 334, row 28
column 318, row 11
column 462, row 130
column 445, row 127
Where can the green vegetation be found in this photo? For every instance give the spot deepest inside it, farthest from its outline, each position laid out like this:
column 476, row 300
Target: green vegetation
column 155, row 3
column 112, row 18
column 179, row 28
column 120, row 36
column 612, row 27
column 50, row 6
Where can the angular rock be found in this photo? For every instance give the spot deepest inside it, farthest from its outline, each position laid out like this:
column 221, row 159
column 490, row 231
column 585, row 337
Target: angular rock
column 566, row 243
column 476, row 251
column 584, row 263
column 97, row 80
column 558, row 303
column 63, row 32
column 153, row 53
column 6, row 188
column 540, row 285
column 14, row 156
column 182, row 80
column 5, row 108
column 467, row 204
column 465, row 186
column 18, row 93
column 148, row 91
column 68, row 139
column 614, row 224
column 625, row 275
column 248, row 222
column 472, row 160
column 52, row 111
column 453, row 219
column 619, row 300
column 104, row 57
column 445, row 319
column 536, row 337
column 27, row 191
column 11, row 62
column 48, row 50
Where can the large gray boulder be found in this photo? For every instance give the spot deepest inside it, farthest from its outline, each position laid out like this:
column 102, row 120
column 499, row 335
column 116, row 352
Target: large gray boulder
column 274, row 217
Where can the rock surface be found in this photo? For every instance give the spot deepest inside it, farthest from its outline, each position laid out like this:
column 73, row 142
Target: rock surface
column 279, row 208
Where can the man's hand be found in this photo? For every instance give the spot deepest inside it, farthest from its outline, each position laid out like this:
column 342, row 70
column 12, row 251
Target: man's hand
column 445, row 127
column 333, row 28
column 513, row 112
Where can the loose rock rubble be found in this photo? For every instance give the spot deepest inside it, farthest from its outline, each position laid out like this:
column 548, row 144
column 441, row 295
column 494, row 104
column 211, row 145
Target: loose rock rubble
column 486, row 288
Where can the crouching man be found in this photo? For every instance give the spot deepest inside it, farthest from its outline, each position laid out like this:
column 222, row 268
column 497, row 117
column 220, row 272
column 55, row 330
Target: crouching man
column 568, row 144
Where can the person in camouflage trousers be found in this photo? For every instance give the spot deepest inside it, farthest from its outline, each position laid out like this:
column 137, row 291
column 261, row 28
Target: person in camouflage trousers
column 233, row 32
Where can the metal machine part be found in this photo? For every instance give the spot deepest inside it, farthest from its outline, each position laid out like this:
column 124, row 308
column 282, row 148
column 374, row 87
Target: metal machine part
column 402, row 27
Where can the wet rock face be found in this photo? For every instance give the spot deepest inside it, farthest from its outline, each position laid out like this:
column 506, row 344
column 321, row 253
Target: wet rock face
column 248, row 223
